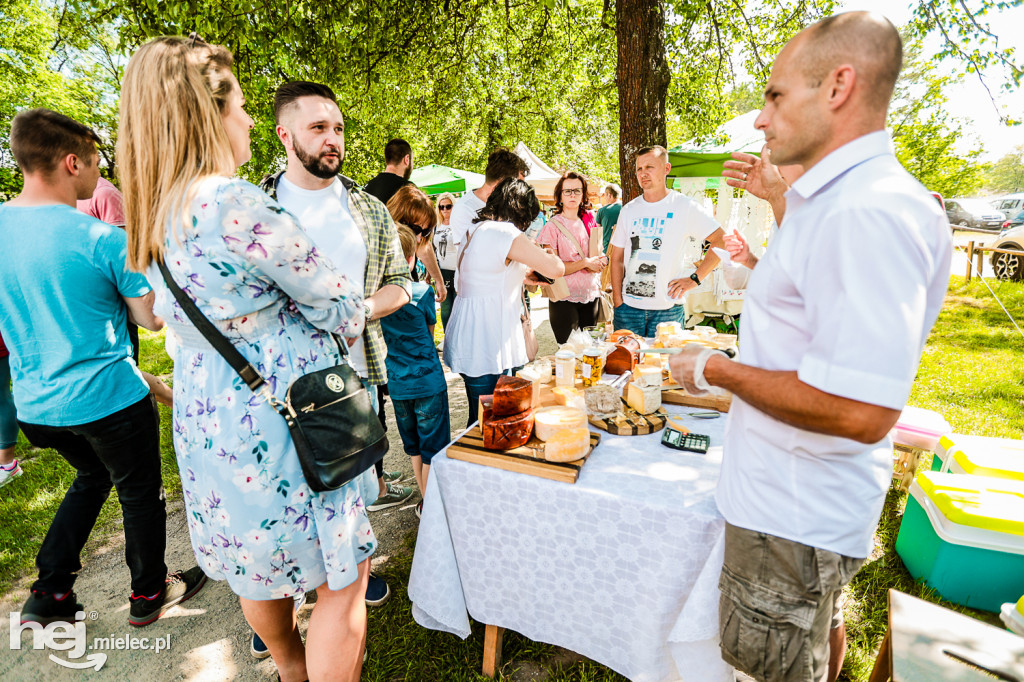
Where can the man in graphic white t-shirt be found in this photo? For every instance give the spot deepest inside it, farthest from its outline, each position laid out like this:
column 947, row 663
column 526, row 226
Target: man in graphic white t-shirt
column 656, row 251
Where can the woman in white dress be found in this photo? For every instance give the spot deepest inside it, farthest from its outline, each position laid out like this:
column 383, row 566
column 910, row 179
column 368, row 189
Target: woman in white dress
column 485, row 337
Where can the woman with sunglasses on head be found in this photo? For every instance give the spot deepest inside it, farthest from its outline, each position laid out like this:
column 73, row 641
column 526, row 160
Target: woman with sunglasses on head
column 411, row 207
column 446, row 252
column 253, row 272
column 569, row 236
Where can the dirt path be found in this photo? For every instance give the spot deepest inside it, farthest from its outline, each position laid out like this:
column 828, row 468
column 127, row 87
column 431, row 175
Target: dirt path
column 209, row 638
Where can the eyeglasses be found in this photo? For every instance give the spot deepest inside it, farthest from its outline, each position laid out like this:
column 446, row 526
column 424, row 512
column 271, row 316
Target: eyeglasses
column 194, row 38
column 573, row 192
column 446, row 207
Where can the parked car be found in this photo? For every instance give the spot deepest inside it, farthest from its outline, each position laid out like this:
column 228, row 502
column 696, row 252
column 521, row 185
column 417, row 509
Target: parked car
column 1008, row 265
column 1014, row 221
column 1009, row 204
column 973, row 213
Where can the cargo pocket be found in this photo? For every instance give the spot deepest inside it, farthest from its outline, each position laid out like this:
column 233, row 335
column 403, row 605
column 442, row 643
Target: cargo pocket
column 764, row 633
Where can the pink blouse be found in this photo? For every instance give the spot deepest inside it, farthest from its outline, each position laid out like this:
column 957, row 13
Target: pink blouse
column 584, row 285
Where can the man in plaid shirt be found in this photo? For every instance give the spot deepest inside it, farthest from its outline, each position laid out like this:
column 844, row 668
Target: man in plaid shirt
column 352, row 229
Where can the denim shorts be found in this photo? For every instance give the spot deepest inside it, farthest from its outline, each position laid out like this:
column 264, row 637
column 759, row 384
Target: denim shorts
column 779, row 601
column 645, row 322
column 424, row 425
column 8, row 413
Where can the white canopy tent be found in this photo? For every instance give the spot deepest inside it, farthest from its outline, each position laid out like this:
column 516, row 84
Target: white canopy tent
column 542, row 178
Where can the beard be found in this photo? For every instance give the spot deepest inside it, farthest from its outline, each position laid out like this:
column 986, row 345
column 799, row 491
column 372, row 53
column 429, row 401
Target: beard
column 408, row 172
column 316, row 164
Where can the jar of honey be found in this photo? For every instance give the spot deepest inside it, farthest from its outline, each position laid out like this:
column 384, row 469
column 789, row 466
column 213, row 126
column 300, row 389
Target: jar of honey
column 592, row 366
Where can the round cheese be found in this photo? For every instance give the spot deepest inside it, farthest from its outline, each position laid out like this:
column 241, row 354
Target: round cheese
column 567, row 445
column 550, row 420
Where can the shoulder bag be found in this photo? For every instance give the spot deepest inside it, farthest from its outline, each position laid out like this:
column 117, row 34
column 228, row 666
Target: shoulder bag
column 329, row 413
column 605, row 310
column 532, row 346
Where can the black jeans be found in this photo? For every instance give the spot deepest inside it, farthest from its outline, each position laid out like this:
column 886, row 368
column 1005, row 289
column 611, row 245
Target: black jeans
column 121, row 450
column 564, row 316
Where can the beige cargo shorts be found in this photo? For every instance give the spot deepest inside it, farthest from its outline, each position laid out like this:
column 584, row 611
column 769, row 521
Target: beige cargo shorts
column 779, row 600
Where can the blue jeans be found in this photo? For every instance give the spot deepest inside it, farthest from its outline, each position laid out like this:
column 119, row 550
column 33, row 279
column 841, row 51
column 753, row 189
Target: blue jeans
column 121, row 450
column 8, row 415
column 645, row 322
column 423, row 424
column 478, row 386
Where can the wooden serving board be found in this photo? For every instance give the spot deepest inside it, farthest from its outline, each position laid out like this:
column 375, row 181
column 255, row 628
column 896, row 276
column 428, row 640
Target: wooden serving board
column 681, row 397
column 629, row 422
column 527, row 459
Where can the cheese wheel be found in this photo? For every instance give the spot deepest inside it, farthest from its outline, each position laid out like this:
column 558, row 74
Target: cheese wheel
column 649, row 375
column 573, row 397
column 643, row 399
column 506, row 432
column 547, row 421
column 512, row 395
column 567, row 445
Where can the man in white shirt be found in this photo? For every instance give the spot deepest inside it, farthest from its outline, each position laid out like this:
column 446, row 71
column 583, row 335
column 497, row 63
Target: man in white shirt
column 501, row 164
column 656, row 251
column 835, row 318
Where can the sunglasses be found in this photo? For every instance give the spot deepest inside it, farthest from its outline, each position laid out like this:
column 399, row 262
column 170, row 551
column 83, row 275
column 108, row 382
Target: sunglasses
column 446, row 207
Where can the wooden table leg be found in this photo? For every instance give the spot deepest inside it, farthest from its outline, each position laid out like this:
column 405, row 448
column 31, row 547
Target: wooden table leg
column 882, row 671
column 492, row 649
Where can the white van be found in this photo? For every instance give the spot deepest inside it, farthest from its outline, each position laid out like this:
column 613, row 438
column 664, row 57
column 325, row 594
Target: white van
column 1010, row 204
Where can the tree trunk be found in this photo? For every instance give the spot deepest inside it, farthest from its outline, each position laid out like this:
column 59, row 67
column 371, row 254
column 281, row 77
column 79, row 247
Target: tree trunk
column 642, row 76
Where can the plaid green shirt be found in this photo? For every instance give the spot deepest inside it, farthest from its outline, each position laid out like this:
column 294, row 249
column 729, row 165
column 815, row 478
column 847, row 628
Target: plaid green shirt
column 385, row 262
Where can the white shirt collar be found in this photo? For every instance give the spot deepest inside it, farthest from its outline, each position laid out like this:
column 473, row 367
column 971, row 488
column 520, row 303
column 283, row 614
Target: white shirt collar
column 836, row 163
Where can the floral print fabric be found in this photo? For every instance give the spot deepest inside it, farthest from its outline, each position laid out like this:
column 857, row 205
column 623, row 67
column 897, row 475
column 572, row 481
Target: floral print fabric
column 252, row 519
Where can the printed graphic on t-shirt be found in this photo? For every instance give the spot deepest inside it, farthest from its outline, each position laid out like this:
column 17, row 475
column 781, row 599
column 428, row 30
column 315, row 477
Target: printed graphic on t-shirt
column 646, row 236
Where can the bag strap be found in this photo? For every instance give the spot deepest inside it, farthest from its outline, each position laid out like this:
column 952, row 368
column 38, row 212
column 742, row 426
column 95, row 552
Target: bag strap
column 570, row 236
column 465, row 247
column 248, row 373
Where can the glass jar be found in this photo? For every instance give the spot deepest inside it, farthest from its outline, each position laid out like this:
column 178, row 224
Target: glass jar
column 592, row 366
column 565, row 369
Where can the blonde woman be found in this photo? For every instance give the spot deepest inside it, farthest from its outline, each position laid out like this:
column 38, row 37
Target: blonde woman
column 253, row 272
column 446, row 252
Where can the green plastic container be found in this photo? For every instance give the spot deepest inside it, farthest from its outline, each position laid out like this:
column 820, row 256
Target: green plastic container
column 964, row 536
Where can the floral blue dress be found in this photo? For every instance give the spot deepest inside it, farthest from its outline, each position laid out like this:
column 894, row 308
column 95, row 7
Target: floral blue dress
column 252, row 519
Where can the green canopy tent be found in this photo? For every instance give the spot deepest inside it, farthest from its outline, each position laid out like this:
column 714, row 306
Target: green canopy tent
column 437, row 179
column 693, row 160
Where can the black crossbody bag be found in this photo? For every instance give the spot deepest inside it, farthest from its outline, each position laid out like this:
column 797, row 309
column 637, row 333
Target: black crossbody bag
column 333, row 425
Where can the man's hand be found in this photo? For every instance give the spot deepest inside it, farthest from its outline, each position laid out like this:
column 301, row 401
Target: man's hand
column 739, row 250
column 682, row 366
column 677, row 288
column 756, row 175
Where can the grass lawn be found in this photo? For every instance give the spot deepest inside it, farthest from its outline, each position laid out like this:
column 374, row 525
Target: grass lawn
column 970, row 372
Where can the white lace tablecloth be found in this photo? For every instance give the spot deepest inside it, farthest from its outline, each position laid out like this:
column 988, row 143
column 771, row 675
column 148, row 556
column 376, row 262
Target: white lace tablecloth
column 621, row 567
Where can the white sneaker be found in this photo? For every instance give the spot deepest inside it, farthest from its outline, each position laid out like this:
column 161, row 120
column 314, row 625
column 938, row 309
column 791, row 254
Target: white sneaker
column 6, row 476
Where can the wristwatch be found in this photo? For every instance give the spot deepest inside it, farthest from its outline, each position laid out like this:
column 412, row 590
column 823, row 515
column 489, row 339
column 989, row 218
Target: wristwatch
column 367, row 313
column 695, row 278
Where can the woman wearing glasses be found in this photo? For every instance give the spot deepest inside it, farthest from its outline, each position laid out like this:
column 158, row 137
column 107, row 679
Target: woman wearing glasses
column 446, row 252
column 567, row 234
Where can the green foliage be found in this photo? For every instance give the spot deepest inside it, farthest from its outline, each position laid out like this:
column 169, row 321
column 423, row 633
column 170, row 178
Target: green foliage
column 1007, row 174
column 929, row 141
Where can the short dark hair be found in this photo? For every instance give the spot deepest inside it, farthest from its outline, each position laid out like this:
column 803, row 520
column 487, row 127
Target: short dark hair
column 289, row 92
column 657, row 150
column 396, row 150
column 504, row 163
column 571, row 175
column 40, row 138
column 511, row 201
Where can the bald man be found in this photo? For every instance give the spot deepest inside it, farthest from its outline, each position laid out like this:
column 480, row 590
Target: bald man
column 834, row 321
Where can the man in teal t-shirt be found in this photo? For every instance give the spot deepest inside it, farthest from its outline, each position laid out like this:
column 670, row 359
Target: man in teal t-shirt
column 65, row 298
column 608, row 214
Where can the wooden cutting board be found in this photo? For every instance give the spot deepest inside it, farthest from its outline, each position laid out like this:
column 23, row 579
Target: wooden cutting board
column 681, row 397
column 527, row 459
column 629, row 422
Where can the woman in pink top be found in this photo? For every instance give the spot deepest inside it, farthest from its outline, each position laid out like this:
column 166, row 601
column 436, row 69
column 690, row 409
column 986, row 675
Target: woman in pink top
column 570, row 238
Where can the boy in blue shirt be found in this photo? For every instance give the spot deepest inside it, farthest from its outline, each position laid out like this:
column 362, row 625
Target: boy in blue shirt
column 415, row 377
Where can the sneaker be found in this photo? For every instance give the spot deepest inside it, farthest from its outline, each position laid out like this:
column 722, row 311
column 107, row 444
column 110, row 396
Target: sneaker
column 377, row 591
column 257, row 648
column 419, row 510
column 7, row 475
column 395, row 496
column 393, row 477
column 180, row 586
column 44, row 608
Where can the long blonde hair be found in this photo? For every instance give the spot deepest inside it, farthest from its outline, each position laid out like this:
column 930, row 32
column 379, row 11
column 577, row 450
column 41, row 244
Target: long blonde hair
column 170, row 135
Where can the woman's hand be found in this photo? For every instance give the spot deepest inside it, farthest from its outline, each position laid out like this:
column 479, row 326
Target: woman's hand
column 739, row 249
column 595, row 263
